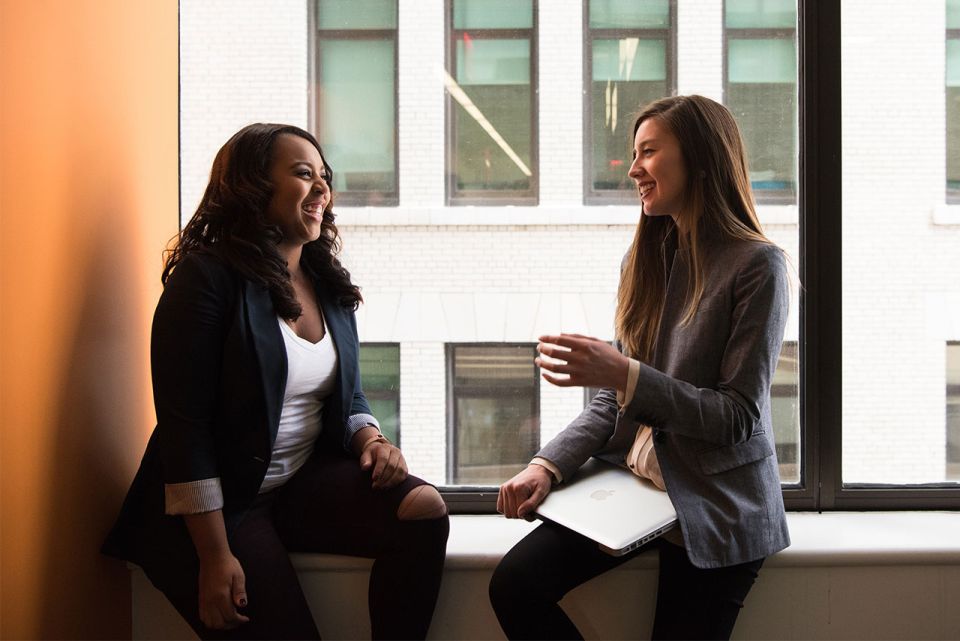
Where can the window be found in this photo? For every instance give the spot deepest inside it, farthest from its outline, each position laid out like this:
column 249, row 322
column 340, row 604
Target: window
column 491, row 102
column 953, row 100
column 494, row 410
column 953, row 411
column 628, row 62
column 356, row 97
column 785, row 408
column 380, row 380
column 760, row 88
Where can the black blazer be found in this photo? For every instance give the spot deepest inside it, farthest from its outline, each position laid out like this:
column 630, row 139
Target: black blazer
column 219, row 371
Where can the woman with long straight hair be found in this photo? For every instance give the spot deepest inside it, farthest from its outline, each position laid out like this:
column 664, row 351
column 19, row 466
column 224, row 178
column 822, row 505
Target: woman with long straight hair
column 265, row 443
column 701, row 311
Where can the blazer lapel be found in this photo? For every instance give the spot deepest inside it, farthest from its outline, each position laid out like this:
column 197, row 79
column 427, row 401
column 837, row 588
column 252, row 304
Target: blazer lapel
column 270, row 350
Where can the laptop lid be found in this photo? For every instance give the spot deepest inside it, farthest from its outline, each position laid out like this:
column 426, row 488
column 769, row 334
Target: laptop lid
column 611, row 505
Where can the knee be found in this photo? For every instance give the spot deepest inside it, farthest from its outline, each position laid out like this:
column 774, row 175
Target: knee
column 510, row 585
column 422, row 503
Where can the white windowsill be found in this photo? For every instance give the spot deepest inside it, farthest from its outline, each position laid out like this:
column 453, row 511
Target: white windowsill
column 819, row 539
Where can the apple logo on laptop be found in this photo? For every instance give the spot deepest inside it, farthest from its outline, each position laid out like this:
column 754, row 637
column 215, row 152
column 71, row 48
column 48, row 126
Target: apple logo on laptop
column 601, row 495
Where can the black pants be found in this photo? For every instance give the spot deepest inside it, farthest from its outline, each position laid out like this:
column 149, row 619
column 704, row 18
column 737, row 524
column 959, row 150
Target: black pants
column 550, row 561
column 329, row 506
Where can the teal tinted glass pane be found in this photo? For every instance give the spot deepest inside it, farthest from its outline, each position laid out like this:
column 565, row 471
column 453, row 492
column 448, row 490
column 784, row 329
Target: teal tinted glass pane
column 629, row 14
column 356, row 14
column 953, row 14
column 747, row 14
column 493, row 62
column 767, row 116
column 356, row 113
column 762, row 60
column 387, row 411
column 492, row 14
column 629, row 59
column 380, row 367
column 953, row 63
column 953, row 114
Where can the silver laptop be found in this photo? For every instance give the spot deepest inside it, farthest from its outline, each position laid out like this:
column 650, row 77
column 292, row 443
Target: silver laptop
column 611, row 505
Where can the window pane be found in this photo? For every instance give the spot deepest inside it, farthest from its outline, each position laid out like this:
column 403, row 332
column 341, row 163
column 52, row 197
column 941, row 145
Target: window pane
column 953, row 14
column 785, row 407
column 492, row 14
column 953, row 411
column 761, row 14
column 493, row 139
column 901, row 294
column 627, row 73
column 380, row 380
column 953, row 114
column 762, row 94
column 496, row 418
column 356, row 113
column 356, row 14
column 629, row 14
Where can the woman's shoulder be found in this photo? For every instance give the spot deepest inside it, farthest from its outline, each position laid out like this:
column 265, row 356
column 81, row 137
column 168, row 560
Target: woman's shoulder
column 744, row 254
column 203, row 266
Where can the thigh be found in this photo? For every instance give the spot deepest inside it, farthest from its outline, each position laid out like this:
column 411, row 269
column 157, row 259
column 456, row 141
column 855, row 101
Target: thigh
column 551, row 561
column 330, row 506
column 694, row 603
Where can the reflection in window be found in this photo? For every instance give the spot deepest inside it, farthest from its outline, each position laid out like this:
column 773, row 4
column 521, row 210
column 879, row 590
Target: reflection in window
column 491, row 102
column 953, row 99
column 356, row 107
column 629, row 51
column 760, row 81
column 495, row 412
column 953, row 411
column 785, row 408
column 380, row 381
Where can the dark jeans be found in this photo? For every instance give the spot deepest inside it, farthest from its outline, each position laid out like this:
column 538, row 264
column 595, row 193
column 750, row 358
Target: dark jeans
column 550, row 561
column 329, row 506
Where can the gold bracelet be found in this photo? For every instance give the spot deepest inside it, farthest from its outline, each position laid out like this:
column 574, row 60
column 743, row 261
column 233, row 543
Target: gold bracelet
column 379, row 438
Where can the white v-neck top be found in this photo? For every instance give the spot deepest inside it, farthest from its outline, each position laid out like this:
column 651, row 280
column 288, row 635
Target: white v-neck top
column 311, row 377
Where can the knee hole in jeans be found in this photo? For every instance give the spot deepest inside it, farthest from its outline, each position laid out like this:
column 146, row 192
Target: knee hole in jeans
column 423, row 502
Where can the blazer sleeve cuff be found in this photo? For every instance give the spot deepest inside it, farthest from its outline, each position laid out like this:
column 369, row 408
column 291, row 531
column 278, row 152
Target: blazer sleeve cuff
column 553, row 469
column 356, row 423
column 193, row 497
column 633, row 374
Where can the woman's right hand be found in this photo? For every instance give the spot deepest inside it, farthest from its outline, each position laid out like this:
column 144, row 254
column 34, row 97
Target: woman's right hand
column 521, row 495
column 222, row 591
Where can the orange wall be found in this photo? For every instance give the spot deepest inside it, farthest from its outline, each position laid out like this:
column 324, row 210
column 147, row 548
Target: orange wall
column 88, row 198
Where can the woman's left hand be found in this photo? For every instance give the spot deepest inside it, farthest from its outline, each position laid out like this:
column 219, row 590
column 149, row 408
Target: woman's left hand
column 386, row 461
column 587, row 362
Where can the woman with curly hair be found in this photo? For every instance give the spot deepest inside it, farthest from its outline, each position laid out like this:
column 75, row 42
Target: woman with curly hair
column 265, row 443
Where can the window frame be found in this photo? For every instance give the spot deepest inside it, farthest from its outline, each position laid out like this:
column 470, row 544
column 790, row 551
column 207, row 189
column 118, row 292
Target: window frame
column 764, row 196
column 599, row 197
column 380, row 395
column 951, row 196
column 357, row 198
column 452, row 196
column 449, row 350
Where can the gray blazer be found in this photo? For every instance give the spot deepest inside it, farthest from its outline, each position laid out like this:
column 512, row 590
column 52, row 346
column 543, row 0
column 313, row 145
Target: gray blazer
column 706, row 394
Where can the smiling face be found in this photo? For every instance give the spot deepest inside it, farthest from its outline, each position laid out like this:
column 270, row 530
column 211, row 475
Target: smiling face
column 658, row 169
column 300, row 190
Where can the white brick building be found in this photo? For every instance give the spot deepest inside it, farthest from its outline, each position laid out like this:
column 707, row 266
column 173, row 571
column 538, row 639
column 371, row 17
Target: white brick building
column 433, row 274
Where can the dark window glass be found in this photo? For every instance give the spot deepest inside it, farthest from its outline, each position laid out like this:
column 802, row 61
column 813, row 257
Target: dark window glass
column 953, row 411
column 491, row 103
column 495, row 412
column 785, row 408
column 356, row 110
column 953, row 99
column 629, row 63
column 760, row 82
column 380, row 379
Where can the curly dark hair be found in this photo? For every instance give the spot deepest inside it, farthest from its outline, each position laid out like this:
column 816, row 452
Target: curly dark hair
column 231, row 223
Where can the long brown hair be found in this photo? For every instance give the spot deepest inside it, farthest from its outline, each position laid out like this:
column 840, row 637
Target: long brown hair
column 231, row 222
column 718, row 204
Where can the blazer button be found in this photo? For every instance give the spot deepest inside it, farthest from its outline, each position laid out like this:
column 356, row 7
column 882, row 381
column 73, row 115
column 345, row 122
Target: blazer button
column 658, row 435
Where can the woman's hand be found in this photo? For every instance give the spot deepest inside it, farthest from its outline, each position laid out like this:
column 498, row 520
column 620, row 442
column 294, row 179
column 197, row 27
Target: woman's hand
column 386, row 461
column 222, row 591
column 588, row 362
column 521, row 495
